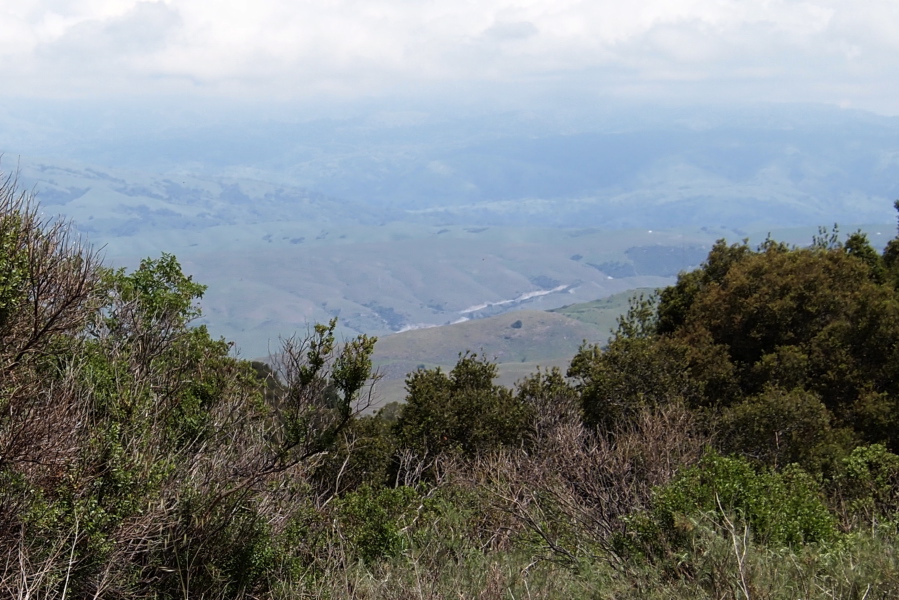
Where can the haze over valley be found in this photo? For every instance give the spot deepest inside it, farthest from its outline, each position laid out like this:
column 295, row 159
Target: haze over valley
column 402, row 220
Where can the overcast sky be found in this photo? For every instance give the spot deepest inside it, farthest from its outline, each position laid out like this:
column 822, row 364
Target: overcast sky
column 833, row 51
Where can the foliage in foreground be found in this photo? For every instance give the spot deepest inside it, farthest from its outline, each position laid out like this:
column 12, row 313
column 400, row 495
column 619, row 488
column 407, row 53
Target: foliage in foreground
column 735, row 440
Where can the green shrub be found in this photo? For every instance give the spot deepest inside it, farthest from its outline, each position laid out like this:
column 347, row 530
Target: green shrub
column 778, row 428
column 362, row 456
column 460, row 412
column 779, row 508
column 867, row 487
column 371, row 521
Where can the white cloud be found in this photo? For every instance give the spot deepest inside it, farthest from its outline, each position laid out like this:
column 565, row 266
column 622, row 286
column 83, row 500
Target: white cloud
column 511, row 30
column 830, row 50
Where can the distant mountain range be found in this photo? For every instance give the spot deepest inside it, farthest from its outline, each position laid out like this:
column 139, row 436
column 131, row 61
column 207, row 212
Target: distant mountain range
column 408, row 219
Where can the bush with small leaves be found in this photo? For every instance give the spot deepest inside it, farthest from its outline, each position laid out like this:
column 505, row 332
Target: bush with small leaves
column 867, row 487
column 779, row 508
column 777, row 428
column 462, row 411
column 372, row 521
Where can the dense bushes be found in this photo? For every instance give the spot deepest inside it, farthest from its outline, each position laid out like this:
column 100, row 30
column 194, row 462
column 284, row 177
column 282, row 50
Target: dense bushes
column 734, row 439
column 140, row 458
column 789, row 353
column 780, row 508
column 462, row 411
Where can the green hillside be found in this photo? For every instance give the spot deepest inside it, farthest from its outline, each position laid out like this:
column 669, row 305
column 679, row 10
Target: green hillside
column 517, row 341
column 543, row 339
column 603, row 313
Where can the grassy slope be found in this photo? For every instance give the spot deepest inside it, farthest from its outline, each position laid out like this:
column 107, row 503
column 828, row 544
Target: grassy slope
column 545, row 339
column 432, row 279
column 602, row 313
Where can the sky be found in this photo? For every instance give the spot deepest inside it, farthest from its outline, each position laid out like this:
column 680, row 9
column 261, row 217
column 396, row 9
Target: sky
column 838, row 52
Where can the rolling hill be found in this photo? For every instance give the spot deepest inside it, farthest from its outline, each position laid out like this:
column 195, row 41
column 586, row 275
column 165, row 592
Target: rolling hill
column 403, row 220
column 518, row 342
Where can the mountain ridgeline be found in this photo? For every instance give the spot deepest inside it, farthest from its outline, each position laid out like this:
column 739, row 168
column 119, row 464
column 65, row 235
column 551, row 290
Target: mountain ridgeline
column 451, row 209
column 735, row 438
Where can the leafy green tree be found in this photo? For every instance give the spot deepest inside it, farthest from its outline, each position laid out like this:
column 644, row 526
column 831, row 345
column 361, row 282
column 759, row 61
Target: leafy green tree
column 891, row 254
column 631, row 374
column 769, row 344
column 816, row 319
column 325, row 385
column 857, row 245
column 778, row 428
column 549, row 397
column 460, row 411
column 675, row 301
column 160, row 289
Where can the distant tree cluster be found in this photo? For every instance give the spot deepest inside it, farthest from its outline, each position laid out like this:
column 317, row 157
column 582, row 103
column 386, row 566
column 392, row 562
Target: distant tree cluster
column 735, row 439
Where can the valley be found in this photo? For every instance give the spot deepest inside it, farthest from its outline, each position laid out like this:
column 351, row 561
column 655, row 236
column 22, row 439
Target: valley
column 412, row 220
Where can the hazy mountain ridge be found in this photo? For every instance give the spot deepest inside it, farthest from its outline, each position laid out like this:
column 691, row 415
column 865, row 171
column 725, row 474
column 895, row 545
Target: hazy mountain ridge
column 762, row 166
column 110, row 203
column 277, row 259
column 408, row 219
